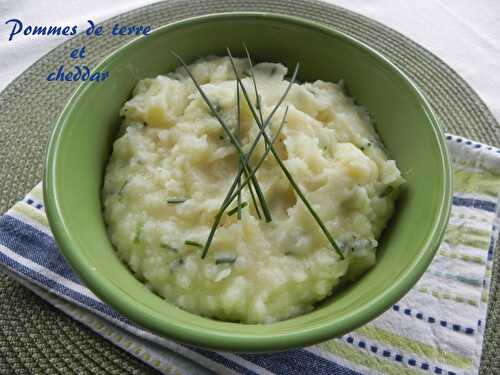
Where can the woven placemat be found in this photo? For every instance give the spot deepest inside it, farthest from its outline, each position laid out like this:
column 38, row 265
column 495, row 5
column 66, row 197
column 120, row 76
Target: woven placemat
column 35, row 337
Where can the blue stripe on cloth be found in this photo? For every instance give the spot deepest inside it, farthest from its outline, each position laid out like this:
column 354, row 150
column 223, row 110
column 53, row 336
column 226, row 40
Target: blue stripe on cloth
column 32, row 244
column 33, row 203
column 491, row 247
column 298, row 362
column 59, row 289
column 475, row 203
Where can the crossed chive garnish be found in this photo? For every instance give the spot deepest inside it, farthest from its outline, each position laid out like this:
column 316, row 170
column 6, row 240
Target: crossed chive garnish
column 244, row 167
column 231, row 194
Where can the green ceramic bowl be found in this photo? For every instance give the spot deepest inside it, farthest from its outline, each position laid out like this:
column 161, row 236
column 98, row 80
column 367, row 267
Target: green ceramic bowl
column 81, row 144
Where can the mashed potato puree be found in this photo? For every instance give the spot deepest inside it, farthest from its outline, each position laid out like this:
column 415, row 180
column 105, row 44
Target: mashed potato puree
column 172, row 165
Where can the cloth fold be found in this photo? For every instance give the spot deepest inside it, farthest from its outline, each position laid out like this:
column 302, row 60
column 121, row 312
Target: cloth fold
column 437, row 328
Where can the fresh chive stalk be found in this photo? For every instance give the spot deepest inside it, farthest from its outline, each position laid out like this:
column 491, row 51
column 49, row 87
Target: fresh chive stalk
column 238, row 134
column 257, row 96
column 265, row 208
column 283, row 167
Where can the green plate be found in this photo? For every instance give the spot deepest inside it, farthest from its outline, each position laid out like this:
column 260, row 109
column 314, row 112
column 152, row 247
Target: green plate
column 81, row 144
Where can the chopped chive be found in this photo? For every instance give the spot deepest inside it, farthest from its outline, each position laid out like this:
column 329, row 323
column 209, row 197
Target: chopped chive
column 221, row 137
column 225, row 260
column 176, row 200
column 193, row 243
column 234, row 210
column 168, row 247
column 139, row 232
column 387, row 191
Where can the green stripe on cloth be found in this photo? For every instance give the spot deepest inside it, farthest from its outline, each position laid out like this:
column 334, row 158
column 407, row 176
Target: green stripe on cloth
column 454, row 237
column 470, row 217
column 381, row 364
column 448, row 296
column 478, row 182
column 418, row 348
column 485, row 296
column 469, row 230
column 466, row 258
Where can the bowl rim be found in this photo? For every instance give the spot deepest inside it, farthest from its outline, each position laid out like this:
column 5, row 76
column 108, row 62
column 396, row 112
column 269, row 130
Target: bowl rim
column 223, row 340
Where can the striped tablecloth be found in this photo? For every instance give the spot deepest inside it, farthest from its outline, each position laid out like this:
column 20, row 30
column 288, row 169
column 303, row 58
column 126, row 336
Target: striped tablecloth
column 437, row 328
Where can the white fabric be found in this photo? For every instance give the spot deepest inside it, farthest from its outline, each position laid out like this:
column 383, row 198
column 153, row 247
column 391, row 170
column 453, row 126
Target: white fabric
column 464, row 33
